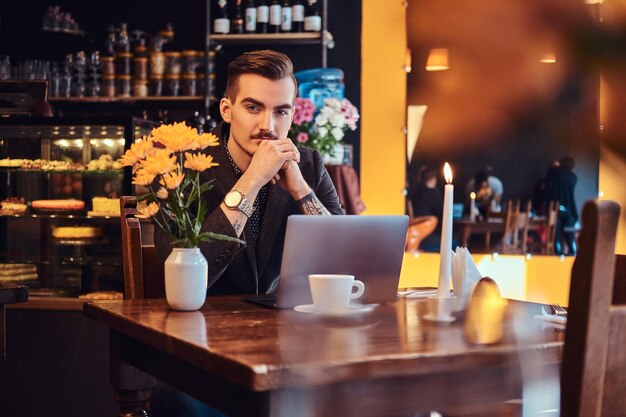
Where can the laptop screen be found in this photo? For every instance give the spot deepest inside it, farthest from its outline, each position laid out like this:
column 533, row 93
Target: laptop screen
column 369, row 247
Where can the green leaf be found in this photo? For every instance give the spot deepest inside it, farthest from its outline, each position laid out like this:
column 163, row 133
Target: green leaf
column 206, row 236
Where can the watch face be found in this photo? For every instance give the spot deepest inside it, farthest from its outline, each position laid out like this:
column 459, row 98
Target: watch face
column 232, row 199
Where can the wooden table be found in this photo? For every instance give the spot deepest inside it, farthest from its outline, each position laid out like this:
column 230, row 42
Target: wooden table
column 9, row 295
column 248, row 360
column 469, row 227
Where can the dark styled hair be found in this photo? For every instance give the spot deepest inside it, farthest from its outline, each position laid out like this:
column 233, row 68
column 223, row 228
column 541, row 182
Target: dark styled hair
column 479, row 178
column 567, row 162
column 427, row 173
column 267, row 63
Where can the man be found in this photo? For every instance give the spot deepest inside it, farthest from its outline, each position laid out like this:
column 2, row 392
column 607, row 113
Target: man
column 262, row 178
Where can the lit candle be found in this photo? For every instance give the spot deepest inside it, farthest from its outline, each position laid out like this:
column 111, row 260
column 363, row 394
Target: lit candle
column 445, row 263
column 472, row 206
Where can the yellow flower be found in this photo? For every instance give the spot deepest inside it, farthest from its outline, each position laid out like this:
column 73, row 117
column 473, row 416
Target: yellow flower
column 199, row 162
column 176, row 137
column 204, row 140
column 160, row 161
column 138, row 151
column 147, row 211
column 162, row 193
column 172, row 180
column 142, row 177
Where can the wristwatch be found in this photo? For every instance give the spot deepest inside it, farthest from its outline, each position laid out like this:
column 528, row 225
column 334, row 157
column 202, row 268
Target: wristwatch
column 236, row 200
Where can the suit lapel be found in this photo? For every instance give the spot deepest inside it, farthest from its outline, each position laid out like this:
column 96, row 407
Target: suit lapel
column 225, row 178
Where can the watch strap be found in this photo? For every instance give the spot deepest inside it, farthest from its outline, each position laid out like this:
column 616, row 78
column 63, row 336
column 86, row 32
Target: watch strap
column 245, row 206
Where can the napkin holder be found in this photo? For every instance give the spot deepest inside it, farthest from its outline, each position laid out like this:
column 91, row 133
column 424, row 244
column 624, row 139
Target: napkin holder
column 484, row 318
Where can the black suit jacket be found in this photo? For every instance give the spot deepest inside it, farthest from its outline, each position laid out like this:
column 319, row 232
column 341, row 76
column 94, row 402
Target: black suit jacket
column 248, row 269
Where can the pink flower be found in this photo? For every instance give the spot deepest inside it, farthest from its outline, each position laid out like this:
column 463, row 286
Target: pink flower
column 302, row 137
column 304, row 109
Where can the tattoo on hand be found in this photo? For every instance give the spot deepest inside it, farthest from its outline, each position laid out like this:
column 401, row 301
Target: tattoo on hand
column 310, row 204
column 237, row 226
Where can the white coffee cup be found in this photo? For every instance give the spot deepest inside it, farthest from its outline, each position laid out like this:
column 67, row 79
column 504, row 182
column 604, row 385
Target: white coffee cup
column 333, row 292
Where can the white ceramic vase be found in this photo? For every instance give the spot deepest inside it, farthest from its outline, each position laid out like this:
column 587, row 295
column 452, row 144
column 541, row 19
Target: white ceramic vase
column 186, row 277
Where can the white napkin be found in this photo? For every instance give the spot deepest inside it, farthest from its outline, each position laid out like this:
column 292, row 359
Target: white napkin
column 465, row 275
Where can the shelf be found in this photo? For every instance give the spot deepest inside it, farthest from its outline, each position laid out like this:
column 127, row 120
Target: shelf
column 88, row 172
column 150, row 99
column 58, row 216
column 65, row 31
column 87, row 261
column 268, row 38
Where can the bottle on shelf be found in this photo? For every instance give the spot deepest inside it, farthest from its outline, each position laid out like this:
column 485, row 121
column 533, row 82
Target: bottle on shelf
column 286, row 17
column 221, row 23
column 237, row 20
column 262, row 17
column 250, row 17
column 312, row 20
column 275, row 16
column 297, row 16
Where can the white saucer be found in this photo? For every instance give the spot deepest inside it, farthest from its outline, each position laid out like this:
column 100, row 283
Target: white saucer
column 430, row 317
column 352, row 309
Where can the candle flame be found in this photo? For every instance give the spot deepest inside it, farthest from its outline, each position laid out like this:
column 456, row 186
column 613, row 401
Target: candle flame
column 473, row 195
column 447, row 173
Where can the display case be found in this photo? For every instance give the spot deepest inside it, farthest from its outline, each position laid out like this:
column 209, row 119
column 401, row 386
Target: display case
column 60, row 181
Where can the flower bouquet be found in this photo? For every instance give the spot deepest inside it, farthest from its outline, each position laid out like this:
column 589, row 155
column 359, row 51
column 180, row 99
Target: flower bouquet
column 325, row 129
column 169, row 163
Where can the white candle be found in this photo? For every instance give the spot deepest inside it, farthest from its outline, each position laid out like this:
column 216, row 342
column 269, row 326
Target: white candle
column 472, row 206
column 445, row 263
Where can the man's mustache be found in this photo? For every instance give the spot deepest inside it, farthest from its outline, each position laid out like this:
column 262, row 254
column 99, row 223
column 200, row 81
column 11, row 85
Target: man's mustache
column 264, row 135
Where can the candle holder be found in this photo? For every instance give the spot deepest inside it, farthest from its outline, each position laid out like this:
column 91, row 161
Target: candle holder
column 440, row 309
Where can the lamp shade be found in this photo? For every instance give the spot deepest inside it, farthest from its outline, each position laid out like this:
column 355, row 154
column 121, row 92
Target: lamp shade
column 437, row 60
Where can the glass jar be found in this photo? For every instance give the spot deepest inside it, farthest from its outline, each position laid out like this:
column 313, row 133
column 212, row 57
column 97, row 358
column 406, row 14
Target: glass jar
column 123, row 85
column 141, row 69
column 156, row 85
column 108, row 66
column 189, row 84
column 123, row 63
column 108, row 86
column 189, row 61
column 157, row 63
column 172, row 84
column 211, row 65
column 140, row 88
column 172, row 63
column 212, row 86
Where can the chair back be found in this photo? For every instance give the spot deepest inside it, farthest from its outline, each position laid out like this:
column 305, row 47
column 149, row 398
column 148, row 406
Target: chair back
column 552, row 218
column 143, row 268
column 593, row 381
column 516, row 224
column 419, row 228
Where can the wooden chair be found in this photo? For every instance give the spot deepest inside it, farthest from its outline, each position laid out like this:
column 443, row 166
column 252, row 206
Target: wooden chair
column 143, row 268
column 515, row 236
column 419, row 228
column 143, row 278
column 552, row 218
column 593, row 381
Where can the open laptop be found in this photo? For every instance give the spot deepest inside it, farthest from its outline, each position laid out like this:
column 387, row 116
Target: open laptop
column 369, row 247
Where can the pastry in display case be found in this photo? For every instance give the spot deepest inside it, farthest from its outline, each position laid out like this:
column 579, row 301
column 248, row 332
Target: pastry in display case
column 61, row 180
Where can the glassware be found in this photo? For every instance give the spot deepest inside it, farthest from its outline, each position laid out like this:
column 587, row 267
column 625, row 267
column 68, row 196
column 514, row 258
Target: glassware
column 172, row 62
column 123, row 85
column 140, row 68
column 156, row 85
column 5, row 67
column 140, row 88
column 157, row 63
column 108, row 86
column 189, row 83
column 172, row 84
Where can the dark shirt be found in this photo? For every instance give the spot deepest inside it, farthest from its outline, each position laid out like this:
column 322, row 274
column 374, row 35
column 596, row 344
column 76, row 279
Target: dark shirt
column 560, row 185
column 426, row 201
